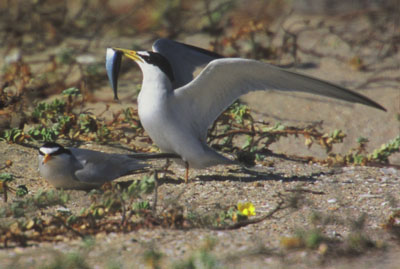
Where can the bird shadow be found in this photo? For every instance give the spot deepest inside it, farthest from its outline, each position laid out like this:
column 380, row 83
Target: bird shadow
column 170, row 180
column 252, row 176
column 246, row 175
column 160, row 181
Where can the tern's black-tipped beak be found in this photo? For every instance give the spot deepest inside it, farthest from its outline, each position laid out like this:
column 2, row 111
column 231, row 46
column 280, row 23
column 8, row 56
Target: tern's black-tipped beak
column 113, row 64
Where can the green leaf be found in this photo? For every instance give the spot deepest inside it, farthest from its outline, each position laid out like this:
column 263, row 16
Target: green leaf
column 71, row 92
column 6, row 177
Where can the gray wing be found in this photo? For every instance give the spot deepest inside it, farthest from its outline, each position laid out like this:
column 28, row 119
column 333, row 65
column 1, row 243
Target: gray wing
column 100, row 167
column 224, row 80
column 183, row 58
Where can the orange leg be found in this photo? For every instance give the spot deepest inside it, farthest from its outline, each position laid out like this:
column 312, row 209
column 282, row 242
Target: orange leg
column 186, row 172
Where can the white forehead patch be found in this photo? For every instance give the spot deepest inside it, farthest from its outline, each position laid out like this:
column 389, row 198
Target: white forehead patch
column 143, row 53
column 49, row 150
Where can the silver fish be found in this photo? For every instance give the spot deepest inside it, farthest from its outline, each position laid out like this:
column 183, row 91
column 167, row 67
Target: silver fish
column 113, row 65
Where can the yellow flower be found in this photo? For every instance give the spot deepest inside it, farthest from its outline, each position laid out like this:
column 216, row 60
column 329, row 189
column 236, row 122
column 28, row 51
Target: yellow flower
column 246, row 209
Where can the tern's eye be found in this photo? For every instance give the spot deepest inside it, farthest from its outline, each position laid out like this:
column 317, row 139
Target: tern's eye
column 158, row 60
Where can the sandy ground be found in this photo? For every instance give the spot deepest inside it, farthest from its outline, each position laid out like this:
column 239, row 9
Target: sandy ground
column 345, row 192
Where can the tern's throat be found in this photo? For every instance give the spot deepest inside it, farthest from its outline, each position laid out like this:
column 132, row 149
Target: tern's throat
column 155, row 82
column 153, row 97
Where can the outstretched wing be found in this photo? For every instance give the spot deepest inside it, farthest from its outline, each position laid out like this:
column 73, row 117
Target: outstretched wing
column 224, row 80
column 183, row 58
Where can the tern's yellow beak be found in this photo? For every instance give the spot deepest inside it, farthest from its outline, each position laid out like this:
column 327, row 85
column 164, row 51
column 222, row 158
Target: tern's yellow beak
column 46, row 158
column 130, row 54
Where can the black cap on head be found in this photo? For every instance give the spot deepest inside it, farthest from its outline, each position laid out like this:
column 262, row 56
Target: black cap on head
column 157, row 59
column 52, row 148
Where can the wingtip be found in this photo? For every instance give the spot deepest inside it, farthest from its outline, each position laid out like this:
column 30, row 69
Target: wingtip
column 377, row 106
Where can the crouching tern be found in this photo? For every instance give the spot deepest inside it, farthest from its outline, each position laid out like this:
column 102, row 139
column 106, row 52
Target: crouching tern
column 177, row 109
column 83, row 169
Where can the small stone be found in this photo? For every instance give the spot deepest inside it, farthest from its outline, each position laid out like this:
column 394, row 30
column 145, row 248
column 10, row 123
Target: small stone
column 367, row 195
column 60, row 237
column 30, row 224
column 13, row 56
column 19, row 250
column 101, row 235
column 258, row 184
column 63, row 210
column 323, row 248
column 85, row 59
column 333, row 200
column 390, row 170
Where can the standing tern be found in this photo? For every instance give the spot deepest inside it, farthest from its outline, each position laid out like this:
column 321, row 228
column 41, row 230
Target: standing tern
column 177, row 109
column 75, row 168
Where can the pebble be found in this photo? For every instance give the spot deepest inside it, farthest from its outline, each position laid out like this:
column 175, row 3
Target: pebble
column 348, row 168
column 19, row 250
column 85, row 59
column 362, row 196
column 13, row 57
column 348, row 181
column 63, row 210
column 333, row 200
column 390, row 170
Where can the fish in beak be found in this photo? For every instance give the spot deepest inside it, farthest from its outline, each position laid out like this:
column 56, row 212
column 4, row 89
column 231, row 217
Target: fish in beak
column 113, row 65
